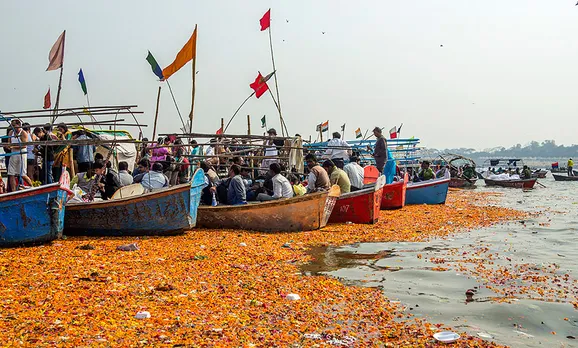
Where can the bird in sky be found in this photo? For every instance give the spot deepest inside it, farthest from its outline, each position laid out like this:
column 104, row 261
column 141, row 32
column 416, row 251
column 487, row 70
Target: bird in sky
column 323, row 32
column 287, row 20
column 441, row 45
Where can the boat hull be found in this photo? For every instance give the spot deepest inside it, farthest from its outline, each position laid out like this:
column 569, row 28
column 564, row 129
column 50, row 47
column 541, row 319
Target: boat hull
column 522, row 183
column 32, row 216
column 462, row 183
column 359, row 207
column 559, row 177
column 394, row 194
column 427, row 192
column 166, row 212
column 303, row 213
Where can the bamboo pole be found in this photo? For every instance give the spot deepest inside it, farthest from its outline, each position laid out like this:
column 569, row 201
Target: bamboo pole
column 113, row 107
column 194, row 48
column 236, row 111
column 60, row 79
column 82, row 113
column 156, row 114
column 276, row 83
column 222, row 126
column 248, row 124
column 76, row 123
column 239, row 136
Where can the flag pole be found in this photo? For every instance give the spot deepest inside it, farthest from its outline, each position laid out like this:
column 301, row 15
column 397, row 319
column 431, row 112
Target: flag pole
column 237, row 111
column 194, row 82
column 343, row 131
column 56, row 104
column 156, row 115
column 276, row 83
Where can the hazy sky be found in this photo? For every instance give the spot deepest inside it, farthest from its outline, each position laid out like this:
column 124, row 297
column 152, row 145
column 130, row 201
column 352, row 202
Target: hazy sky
column 507, row 72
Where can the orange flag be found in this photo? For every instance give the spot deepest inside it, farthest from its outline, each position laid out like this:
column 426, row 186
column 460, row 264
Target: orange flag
column 188, row 52
column 56, row 55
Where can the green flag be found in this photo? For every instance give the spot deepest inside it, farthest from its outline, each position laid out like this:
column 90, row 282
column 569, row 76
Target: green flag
column 82, row 81
column 155, row 66
column 263, row 122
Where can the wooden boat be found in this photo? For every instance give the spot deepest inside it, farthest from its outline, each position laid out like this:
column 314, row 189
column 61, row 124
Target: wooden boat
column 164, row 212
column 427, row 192
column 517, row 183
column 462, row 182
column 303, row 213
column 370, row 174
column 360, row 207
column 30, row 216
column 393, row 196
column 559, row 177
column 540, row 174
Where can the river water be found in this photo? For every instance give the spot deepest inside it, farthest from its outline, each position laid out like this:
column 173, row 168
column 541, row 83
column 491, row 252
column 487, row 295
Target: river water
column 522, row 274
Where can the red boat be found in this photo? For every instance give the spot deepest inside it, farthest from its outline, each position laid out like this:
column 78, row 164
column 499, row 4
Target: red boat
column 393, row 196
column 517, row 183
column 360, row 207
column 370, row 174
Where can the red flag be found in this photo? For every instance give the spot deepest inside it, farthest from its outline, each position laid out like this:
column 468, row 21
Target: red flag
column 56, row 55
column 219, row 131
column 265, row 21
column 47, row 100
column 260, row 84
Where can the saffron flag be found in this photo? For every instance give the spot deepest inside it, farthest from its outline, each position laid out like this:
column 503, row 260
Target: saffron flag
column 263, row 122
column 219, row 131
column 47, row 102
column 393, row 133
column 358, row 133
column 265, row 21
column 155, row 66
column 56, row 55
column 260, row 84
column 82, row 81
column 187, row 53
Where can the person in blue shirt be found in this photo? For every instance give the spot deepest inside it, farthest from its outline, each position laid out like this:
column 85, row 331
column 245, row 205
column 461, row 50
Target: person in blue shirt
column 236, row 193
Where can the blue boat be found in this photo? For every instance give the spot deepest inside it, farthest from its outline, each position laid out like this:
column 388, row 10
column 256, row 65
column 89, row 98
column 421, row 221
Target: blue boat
column 32, row 216
column 168, row 211
column 427, row 192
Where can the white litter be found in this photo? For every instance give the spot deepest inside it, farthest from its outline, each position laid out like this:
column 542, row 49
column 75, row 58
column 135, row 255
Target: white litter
column 143, row 315
column 293, row 297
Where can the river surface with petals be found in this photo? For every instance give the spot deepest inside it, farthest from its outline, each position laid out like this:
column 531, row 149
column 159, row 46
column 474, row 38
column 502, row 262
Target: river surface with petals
column 232, row 288
column 521, row 276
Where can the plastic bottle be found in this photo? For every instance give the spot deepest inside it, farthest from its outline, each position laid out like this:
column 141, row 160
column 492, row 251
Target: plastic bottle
column 214, row 203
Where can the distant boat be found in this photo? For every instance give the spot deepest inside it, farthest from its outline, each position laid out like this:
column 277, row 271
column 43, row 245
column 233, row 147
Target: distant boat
column 516, row 183
column 165, row 212
column 540, row 174
column 360, row 207
column 463, row 182
column 394, row 194
column 302, row 213
column 427, row 192
column 31, row 216
column 559, row 177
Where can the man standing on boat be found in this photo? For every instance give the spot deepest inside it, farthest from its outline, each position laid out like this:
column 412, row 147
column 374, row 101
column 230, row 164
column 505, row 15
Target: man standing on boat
column 570, row 167
column 380, row 150
column 337, row 150
column 18, row 166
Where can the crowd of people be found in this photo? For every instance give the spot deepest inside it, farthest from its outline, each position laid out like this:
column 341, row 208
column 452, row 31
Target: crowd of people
column 168, row 162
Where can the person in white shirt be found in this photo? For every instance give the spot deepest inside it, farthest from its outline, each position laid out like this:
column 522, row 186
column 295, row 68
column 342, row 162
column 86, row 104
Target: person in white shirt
column 337, row 150
column 155, row 179
column 355, row 173
column 123, row 178
column 281, row 186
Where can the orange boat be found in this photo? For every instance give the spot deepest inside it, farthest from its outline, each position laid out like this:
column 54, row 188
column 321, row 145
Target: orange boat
column 303, row 213
column 360, row 207
column 393, row 196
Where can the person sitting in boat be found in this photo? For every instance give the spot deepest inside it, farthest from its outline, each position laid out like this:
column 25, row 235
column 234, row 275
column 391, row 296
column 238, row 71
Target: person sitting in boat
column 236, row 192
column 281, row 186
column 355, row 173
column 337, row 176
column 210, row 189
column 317, row 180
column 526, row 173
column 426, row 173
column 155, row 179
column 337, row 150
column 91, row 181
column 123, row 178
column 469, row 172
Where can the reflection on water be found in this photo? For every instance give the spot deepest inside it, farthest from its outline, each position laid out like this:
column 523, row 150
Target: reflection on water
column 512, row 283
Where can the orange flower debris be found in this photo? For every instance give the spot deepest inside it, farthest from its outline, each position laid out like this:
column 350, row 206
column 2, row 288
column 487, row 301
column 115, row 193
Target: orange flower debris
column 206, row 288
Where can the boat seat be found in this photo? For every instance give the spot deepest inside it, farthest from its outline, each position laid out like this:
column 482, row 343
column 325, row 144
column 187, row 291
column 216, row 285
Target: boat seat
column 128, row 191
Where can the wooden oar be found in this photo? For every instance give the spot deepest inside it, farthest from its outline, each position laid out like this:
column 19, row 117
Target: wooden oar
column 540, row 184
